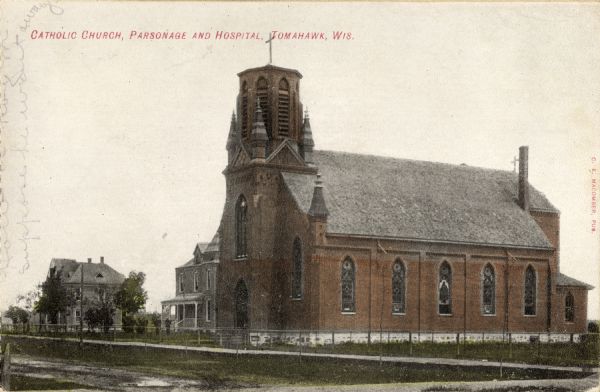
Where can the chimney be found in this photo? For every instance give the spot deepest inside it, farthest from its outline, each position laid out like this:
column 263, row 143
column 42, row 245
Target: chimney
column 101, row 259
column 89, row 259
column 523, row 180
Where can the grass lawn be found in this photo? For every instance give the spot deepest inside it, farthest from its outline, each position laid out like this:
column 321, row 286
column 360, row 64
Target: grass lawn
column 556, row 354
column 228, row 369
column 25, row 383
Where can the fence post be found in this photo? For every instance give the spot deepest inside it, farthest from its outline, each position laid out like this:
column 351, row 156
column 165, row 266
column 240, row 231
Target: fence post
column 538, row 347
column 458, row 344
column 410, row 346
column 6, row 368
column 510, row 345
column 332, row 340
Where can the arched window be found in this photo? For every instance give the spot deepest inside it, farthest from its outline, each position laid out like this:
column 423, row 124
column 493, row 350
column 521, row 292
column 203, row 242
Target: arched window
column 297, row 269
column 244, row 109
column 398, row 287
column 445, row 289
column 242, row 299
column 348, row 286
column 569, row 308
column 283, row 111
column 488, row 285
column 262, row 93
column 180, row 283
column 530, row 291
column 241, row 210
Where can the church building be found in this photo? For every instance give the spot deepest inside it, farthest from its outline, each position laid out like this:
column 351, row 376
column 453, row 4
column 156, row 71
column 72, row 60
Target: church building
column 333, row 241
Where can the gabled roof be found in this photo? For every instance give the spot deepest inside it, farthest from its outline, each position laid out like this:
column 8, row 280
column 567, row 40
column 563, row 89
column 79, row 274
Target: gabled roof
column 400, row 198
column 94, row 273
column 564, row 280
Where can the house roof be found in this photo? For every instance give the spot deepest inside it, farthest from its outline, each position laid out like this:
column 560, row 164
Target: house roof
column 93, row 273
column 564, row 280
column 209, row 251
column 400, row 198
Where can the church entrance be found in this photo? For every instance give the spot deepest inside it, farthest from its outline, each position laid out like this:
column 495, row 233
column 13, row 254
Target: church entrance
column 241, row 305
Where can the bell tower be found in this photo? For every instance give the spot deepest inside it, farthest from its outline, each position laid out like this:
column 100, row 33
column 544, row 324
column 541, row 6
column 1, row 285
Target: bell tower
column 277, row 91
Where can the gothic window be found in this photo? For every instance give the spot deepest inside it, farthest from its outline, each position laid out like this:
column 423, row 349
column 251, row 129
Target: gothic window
column 208, row 310
column 244, row 110
column 208, row 279
column 488, row 285
column 283, row 111
column 180, row 283
column 297, row 269
column 530, row 291
column 398, row 287
column 569, row 308
column 241, row 209
column 242, row 299
column 263, row 98
column 445, row 289
column 348, row 286
column 196, row 281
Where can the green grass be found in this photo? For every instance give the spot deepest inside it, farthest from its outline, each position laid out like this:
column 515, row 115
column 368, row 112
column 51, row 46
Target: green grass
column 585, row 354
column 26, row 383
column 230, row 370
column 556, row 354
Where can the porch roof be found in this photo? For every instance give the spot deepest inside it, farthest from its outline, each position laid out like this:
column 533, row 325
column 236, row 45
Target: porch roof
column 186, row 298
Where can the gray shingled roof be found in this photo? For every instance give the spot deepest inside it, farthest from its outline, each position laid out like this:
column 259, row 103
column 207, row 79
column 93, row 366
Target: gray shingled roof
column 94, row 273
column 564, row 280
column 387, row 197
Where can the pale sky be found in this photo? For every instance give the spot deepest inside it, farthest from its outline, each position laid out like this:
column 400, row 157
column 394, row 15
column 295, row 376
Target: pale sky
column 126, row 138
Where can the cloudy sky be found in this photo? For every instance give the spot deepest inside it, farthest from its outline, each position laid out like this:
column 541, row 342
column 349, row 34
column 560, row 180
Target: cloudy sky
column 115, row 148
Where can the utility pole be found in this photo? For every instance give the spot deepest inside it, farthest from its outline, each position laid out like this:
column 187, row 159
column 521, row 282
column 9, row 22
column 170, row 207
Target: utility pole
column 81, row 308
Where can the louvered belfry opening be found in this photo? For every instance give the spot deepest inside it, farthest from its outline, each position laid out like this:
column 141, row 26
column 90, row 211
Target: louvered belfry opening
column 277, row 92
column 245, row 130
column 262, row 92
column 283, row 112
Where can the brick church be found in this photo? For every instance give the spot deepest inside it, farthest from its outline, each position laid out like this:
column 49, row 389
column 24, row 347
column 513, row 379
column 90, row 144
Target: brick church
column 324, row 240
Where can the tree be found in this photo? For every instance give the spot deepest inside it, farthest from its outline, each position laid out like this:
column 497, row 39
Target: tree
column 17, row 314
column 54, row 297
column 100, row 314
column 131, row 297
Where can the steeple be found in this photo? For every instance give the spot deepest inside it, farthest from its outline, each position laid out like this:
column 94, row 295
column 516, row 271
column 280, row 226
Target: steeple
column 307, row 140
column 232, row 138
column 318, row 208
column 258, row 137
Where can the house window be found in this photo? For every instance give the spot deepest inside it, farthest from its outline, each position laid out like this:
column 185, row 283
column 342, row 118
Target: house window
column 348, row 286
column 208, row 279
column 101, row 294
column 445, row 289
column 297, row 269
column 398, row 287
column 180, row 283
column 77, row 316
column 241, row 209
column 196, row 281
column 207, row 309
column 569, row 308
column 77, row 294
column 283, row 111
column 488, row 285
column 530, row 291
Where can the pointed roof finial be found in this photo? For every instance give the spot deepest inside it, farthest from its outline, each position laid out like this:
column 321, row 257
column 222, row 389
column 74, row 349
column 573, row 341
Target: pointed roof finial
column 259, row 132
column 318, row 208
column 232, row 137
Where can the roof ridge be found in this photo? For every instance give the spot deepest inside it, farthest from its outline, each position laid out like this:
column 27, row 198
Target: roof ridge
column 457, row 165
